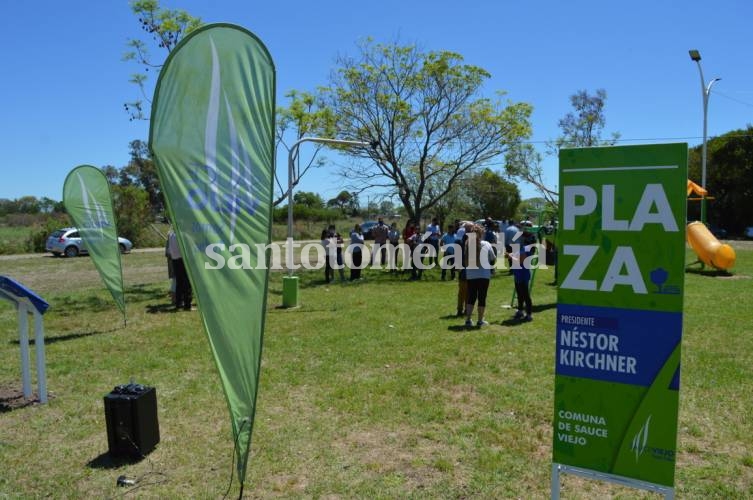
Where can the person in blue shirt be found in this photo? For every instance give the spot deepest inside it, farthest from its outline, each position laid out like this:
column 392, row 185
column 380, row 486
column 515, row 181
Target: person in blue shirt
column 511, row 235
column 447, row 241
column 522, row 276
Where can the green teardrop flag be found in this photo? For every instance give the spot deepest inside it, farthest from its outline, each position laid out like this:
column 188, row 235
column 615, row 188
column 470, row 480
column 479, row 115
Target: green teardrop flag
column 87, row 199
column 212, row 136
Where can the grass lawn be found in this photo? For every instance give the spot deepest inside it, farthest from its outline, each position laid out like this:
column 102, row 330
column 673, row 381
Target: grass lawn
column 368, row 390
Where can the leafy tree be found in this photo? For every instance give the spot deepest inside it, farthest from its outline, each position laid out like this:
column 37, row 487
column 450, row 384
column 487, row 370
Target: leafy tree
column 354, row 205
column 306, row 115
column 141, row 171
column 424, row 114
column 131, row 207
column 729, row 179
column 536, row 210
column 386, row 207
column 7, row 206
column 47, row 205
column 112, row 174
column 308, row 199
column 164, row 28
column 27, row 205
column 491, row 195
column 341, row 201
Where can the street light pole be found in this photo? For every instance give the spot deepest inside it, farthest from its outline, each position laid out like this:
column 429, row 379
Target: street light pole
column 290, row 282
column 705, row 91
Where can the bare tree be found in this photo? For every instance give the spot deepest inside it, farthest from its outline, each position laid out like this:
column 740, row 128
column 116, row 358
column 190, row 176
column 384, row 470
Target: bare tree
column 581, row 127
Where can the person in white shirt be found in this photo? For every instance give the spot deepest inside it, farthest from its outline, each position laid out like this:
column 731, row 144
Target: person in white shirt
column 479, row 260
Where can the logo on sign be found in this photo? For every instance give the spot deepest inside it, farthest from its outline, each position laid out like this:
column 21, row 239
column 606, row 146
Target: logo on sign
column 640, row 440
column 227, row 194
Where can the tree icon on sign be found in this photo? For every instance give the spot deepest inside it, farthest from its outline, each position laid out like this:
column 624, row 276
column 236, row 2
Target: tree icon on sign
column 659, row 277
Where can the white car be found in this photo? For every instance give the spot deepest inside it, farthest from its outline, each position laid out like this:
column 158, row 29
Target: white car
column 68, row 242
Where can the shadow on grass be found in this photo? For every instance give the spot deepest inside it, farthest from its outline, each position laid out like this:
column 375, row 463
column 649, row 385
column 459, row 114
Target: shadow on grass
column 108, row 461
column 712, row 273
column 69, row 306
column 462, row 328
column 142, row 293
column 451, row 316
column 543, row 307
column 537, row 308
column 70, row 336
column 160, row 308
column 514, row 322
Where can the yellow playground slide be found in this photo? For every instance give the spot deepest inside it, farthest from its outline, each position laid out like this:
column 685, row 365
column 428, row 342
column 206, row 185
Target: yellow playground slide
column 710, row 250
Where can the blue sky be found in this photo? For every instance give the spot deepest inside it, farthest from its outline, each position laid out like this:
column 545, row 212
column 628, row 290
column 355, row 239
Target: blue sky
column 64, row 83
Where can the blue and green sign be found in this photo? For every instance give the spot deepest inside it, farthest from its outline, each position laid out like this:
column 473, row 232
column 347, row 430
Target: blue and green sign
column 621, row 243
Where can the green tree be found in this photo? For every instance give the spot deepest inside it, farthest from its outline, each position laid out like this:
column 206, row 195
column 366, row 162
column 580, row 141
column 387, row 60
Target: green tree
column 729, row 179
column 425, row 118
column 342, row 201
column 305, row 115
column 308, row 199
column 111, row 173
column 141, row 171
column 131, row 207
column 537, row 210
column 47, row 205
column 386, row 208
column 27, row 205
column 165, row 28
column 491, row 195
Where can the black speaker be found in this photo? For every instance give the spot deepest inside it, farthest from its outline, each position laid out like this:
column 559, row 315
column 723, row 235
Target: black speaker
column 131, row 417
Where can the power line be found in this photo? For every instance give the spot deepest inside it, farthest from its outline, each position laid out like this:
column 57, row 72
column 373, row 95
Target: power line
column 732, row 98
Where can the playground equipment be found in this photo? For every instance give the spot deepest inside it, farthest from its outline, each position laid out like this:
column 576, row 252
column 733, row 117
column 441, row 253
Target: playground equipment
column 707, row 247
column 28, row 302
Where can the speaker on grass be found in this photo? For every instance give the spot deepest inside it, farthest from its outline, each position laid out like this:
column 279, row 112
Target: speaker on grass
column 131, row 418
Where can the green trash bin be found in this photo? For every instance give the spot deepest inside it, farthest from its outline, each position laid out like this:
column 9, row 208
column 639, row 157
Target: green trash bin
column 290, row 291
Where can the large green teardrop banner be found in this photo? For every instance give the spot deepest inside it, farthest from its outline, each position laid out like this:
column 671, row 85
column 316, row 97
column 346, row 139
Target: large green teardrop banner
column 212, row 137
column 87, row 199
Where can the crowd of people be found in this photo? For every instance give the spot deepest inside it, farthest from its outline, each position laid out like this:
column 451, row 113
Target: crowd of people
column 466, row 250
